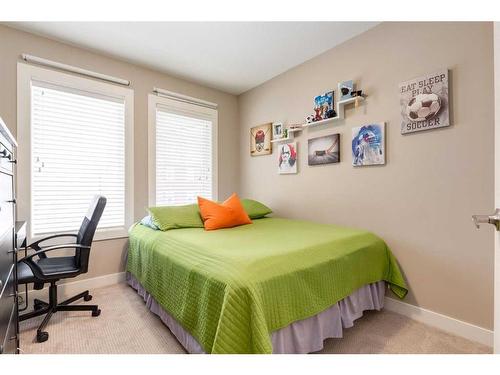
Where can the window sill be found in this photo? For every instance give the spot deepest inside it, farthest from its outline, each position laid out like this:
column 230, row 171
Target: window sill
column 109, row 238
column 110, row 234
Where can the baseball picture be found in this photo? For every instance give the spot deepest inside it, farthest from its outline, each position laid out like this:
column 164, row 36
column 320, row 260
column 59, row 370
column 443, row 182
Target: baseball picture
column 260, row 140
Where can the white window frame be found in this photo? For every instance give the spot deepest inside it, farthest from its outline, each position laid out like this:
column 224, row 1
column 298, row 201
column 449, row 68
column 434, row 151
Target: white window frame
column 25, row 75
column 156, row 100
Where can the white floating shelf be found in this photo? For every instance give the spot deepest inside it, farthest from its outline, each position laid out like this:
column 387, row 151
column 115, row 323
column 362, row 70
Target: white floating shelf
column 316, row 123
column 281, row 140
column 340, row 112
column 350, row 100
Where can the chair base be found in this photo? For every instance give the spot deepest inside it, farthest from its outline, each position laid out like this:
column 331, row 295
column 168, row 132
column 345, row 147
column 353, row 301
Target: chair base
column 51, row 307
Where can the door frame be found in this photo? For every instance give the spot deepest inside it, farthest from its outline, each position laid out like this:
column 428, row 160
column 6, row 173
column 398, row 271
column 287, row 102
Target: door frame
column 496, row 54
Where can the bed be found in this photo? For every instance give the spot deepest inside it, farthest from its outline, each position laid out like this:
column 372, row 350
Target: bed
column 256, row 288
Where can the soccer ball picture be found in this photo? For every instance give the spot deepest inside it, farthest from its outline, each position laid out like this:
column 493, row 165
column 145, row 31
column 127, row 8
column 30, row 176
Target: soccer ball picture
column 309, row 119
column 423, row 107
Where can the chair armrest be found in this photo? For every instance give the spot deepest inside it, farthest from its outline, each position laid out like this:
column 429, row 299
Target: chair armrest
column 56, row 247
column 35, row 245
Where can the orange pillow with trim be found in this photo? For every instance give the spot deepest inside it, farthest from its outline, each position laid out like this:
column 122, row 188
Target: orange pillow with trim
column 228, row 214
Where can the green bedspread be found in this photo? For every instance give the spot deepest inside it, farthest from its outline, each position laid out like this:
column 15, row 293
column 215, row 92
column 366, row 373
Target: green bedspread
column 231, row 288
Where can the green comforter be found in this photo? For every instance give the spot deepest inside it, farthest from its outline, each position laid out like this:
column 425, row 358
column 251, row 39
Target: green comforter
column 231, row 288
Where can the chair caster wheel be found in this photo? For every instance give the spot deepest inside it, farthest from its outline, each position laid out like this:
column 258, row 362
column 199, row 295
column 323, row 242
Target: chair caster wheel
column 87, row 298
column 96, row 312
column 37, row 306
column 42, row 336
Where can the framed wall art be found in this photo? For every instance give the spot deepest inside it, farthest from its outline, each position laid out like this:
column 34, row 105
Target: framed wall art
column 425, row 103
column 324, row 106
column 345, row 89
column 287, row 158
column 323, row 150
column 368, row 145
column 260, row 140
column 278, row 128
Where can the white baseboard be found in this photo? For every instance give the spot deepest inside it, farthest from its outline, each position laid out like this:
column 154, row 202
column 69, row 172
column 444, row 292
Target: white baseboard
column 445, row 323
column 67, row 290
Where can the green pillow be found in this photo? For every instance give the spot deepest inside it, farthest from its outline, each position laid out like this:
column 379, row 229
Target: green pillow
column 254, row 209
column 174, row 217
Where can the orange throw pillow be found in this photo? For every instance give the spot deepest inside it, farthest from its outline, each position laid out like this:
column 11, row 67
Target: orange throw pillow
column 226, row 215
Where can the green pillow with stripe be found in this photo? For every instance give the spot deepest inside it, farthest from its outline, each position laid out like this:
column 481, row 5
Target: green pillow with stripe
column 255, row 209
column 175, row 217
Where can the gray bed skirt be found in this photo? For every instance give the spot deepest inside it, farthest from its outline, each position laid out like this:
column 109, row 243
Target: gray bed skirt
column 302, row 336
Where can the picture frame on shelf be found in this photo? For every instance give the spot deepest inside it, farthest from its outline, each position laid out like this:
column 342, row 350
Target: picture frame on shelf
column 278, row 130
column 345, row 90
column 324, row 106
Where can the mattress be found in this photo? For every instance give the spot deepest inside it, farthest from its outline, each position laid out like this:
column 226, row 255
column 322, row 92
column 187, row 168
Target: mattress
column 231, row 288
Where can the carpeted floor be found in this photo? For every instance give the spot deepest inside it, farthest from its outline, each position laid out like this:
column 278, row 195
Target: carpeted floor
column 126, row 326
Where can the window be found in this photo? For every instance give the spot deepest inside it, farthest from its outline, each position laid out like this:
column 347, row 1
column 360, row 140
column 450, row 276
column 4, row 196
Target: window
column 79, row 145
column 182, row 151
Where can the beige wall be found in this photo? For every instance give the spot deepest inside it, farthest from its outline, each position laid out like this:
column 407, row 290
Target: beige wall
column 421, row 202
column 108, row 256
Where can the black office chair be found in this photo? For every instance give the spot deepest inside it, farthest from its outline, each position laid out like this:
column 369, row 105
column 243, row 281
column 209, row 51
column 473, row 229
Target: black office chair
column 52, row 269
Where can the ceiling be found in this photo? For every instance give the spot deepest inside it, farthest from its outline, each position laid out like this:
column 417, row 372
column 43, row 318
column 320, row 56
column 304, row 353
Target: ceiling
column 230, row 56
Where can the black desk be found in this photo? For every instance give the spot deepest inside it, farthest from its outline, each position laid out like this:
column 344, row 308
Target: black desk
column 20, row 244
column 9, row 327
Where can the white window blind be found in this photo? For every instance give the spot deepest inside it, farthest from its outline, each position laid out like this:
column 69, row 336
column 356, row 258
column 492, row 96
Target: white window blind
column 77, row 150
column 184, row 154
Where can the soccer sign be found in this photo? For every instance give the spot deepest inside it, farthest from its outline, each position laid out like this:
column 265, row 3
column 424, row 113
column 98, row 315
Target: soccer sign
column 424, row 103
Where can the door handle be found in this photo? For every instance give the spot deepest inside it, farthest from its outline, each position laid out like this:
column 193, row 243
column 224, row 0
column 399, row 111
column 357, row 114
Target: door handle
column 488, row 219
